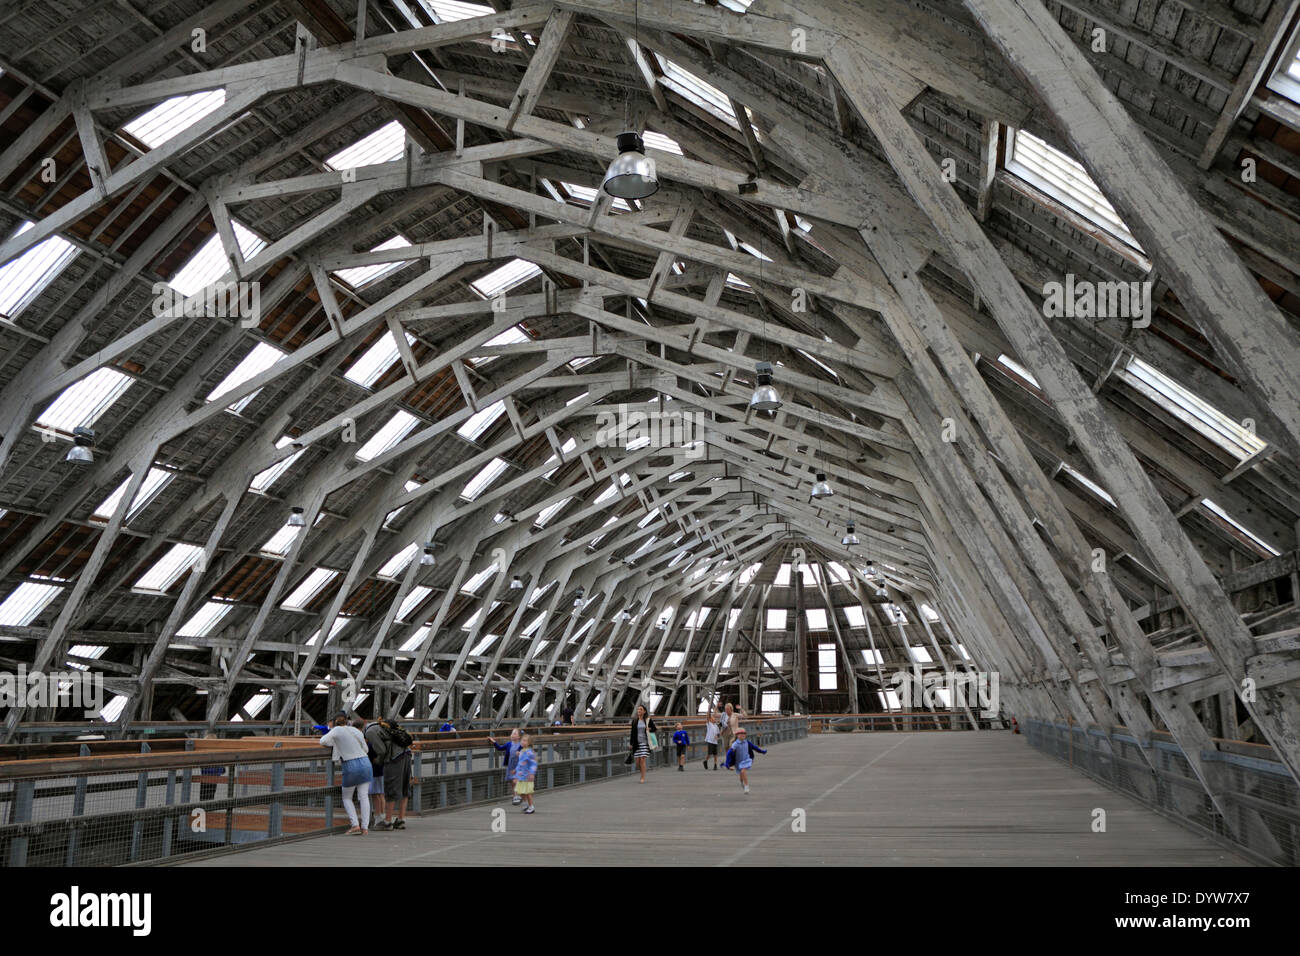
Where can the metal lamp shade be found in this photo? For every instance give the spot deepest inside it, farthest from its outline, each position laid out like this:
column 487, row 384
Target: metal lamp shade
column 632, row 174
column 765, row 399
column 296, row 519
column 821, row 488
column 81, row 452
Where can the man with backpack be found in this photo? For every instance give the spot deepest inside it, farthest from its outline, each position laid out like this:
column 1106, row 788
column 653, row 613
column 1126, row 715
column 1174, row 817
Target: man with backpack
column 377, row 743
column 390, row 753
column 397, row 770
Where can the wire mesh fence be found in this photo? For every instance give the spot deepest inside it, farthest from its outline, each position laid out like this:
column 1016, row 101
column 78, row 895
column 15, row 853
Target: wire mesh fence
column 1258, row 806
column 158, row 808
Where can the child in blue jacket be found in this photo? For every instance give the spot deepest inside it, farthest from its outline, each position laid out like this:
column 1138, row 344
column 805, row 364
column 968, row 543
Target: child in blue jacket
column 511, row 748
column 741, row 756
column 683, row 740
column 526, row 772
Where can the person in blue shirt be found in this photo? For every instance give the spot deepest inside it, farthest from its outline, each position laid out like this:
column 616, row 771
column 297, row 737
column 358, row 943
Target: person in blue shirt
column 741, row 756
column 526, row 772
column 448, row 726
column 511, row 748
column 683, row 740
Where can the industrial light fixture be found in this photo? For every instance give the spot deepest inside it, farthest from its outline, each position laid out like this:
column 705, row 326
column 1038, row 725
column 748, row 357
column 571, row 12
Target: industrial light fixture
column 577, row 599
column 625, row 616
column 849, row 539
column 871, row 569
column 765, row 397
column 821, row 487
column 81, row 452
column 426, row 556
column 632, row 174
column 516, row 583
column 881, row 592
column 296, row 519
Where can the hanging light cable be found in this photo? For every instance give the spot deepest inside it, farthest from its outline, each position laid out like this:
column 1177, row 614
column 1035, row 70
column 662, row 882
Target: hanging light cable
column 631, row 175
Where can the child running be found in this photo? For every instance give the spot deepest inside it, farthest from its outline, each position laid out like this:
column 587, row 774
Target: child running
column 526, row 772
column 741, row 756
column 683, row 740
column 512, row 748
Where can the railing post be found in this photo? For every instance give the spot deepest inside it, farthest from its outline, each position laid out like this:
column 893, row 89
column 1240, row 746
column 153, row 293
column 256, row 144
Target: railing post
column 275, row 816
column 329, row 795
column 24, row 797
column 418, row 789
column 78, row 809
column 141, row 797
column 168, row 822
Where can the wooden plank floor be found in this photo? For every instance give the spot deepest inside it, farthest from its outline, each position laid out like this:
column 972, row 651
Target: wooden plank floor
column 936, row 799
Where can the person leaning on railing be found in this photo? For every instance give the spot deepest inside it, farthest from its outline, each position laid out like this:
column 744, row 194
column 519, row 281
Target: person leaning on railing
column 349, row 746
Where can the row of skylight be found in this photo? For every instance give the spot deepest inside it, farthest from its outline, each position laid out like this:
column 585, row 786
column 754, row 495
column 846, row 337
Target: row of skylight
column 24, row 278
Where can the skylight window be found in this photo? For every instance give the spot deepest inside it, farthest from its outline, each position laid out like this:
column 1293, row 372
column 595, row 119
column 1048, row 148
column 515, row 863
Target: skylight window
column 775, row 658
column 481, row 421
column 771, row 702
column 1191, row 409
column 488, row 474
column 81, row 404
column 1008, row 362
column 566, row 449
column 209, row 264
column 340, row 622
column 473, row 585
column 398, row 562
column 280, row 542
column 929, row 613
column 415, row 640
column 25, row 603
column 659, row 141
column 747, row 575
column 816, row 618
column 782, row 576
column 511, row 336
column 169, row 568
column 483, row 645
column 444, row 11
column 393, row 432
column 378, row 359
column 1065, row 180
column 534, row 624
column 1087, row 483
column 504, row 278
column 889, row 700
column 776, row 618
column 412, row 601
column 696, row 91
column 204, row 619
column 828, row 677
column 153, row 483
column 872, row 658
column 629, row 659
column 264, row 479
column 674, row 659
column 1241, row 531
column 310, row 587
column 256, row 362
column 384, row 145
column 550, row 511
column 586, row 195
column 919, row 654
column 172, row 117
column 1286, row 79
column 359, row 276
column 26, row 277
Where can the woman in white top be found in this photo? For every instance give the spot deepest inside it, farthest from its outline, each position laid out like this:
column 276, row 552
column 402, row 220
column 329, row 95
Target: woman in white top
column 349, row 746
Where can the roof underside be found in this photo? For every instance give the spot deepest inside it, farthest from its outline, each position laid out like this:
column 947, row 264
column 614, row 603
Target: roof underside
column 1060, row 489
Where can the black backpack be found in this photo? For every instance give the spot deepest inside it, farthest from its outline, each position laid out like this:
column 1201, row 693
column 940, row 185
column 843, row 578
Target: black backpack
column 398, row 734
